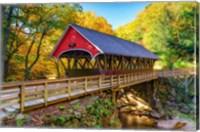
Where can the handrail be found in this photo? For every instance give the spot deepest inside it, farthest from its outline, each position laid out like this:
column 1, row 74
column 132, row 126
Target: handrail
column 45, row 92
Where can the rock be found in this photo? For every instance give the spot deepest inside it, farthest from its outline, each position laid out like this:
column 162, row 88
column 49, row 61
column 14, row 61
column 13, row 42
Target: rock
column 171, row 104
column 120, row 94
column 179, row 125
column 155, row 114
column 176, row 124
column 125, row 109
column 159, row 107
column 74, row 101
column 173, row 92
column 185, row 110
column 130, row 120
column 171, row 98
column 194, row 100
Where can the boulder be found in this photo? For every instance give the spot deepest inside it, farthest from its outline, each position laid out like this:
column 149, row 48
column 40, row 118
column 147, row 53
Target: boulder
column 185, row 110
column 155, row 114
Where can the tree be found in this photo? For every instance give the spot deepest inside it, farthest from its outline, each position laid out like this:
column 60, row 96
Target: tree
column 90, row 20
column 167, row 29
column 12, row 39
column 31, row 28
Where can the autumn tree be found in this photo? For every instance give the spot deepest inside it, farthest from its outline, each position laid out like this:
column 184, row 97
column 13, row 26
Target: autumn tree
column 30, row 28
column 92, row 21
column 167, row 29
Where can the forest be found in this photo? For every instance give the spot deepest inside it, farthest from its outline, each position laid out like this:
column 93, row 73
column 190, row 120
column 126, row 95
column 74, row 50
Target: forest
column 31, row 31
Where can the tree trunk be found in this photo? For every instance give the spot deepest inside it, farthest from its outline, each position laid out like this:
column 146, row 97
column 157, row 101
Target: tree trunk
column 28, row 68
column 7, row 28
column 6, row 67
column 27, row 73
column 57, row 68
column 4, row 58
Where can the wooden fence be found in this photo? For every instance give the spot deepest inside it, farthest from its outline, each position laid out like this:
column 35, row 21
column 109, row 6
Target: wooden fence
column 26, row 96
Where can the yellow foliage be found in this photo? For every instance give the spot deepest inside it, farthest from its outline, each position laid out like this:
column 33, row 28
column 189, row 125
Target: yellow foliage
column 90, row 20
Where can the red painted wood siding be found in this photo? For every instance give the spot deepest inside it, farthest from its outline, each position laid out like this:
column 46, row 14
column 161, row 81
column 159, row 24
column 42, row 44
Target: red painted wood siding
column 72, row 36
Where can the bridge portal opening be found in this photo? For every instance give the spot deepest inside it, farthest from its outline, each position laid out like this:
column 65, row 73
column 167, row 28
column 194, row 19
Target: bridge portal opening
column 80, row 63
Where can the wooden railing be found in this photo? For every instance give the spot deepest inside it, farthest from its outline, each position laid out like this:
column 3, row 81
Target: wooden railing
column 29, row 95
column 176, row 72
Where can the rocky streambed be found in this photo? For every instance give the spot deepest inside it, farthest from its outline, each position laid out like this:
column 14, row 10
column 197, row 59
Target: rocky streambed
column 135, row 113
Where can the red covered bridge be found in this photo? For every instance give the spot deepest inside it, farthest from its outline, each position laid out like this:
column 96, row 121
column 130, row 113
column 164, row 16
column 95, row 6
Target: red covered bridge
column 89, row 52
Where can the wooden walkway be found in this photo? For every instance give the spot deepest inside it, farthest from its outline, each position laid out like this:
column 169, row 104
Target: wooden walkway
column 26, row 96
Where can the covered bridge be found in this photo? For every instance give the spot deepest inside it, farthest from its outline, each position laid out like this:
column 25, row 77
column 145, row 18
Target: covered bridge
column 89, row 52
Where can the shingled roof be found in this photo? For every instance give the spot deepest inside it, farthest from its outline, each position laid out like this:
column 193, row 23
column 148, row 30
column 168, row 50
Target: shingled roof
column 108, row 44
column 112, row 45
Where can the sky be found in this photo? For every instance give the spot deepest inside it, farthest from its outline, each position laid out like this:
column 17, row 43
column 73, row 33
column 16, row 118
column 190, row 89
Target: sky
column 117, row 14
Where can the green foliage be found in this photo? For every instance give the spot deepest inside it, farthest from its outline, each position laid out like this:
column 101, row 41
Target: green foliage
column 114, row 123
column 184, row 88
column 95, row 115
column 178, row 97
column 185, row 116
column 20, row 121
column 98, row 109
column 76, row 106
column 60, row 120
column 166, row 29
column 61, row 107
column 108, row 103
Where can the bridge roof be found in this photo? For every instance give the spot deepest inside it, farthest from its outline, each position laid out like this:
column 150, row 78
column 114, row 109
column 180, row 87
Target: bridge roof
column 108, row 44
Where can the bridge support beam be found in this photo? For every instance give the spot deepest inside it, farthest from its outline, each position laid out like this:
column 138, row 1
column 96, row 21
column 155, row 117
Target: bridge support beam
column 114, row 96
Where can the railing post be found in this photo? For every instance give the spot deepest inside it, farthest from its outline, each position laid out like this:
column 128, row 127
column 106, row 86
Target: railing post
column 138, row 76
column 127, row 78
column 69, row 88
column 124, row 78
column 131, row 77
column 118, row 79
column 100, row 82
column 22, row 96
column 46, row 94
column 86, row 84
column 146, row 75
column 135, row 77
column 111, row 81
